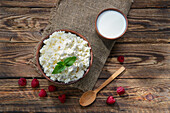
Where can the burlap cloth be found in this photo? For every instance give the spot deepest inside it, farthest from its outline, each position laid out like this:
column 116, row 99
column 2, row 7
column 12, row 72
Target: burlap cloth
column 79, row 16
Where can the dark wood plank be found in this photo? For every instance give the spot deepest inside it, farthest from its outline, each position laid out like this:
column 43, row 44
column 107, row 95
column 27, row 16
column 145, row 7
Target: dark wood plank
column 147, row 25
column 151, row 4
column 142, row 95
column 22, row 24
column 28, row 3
column 49, row 4
column 17, row 59
column 16, row 11
column 141, row 60
column 27, row 24
column 20, row 36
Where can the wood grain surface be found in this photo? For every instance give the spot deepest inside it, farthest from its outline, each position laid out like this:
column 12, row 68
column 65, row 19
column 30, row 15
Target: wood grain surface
column 145, row 46
column 142, row 95
column 141, row 60
column 27, row 24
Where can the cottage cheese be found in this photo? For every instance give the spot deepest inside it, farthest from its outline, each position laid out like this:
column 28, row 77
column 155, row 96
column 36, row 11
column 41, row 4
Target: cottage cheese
column 59, row 46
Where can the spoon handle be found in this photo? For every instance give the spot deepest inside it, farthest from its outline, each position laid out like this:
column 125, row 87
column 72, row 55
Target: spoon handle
column 110, row 79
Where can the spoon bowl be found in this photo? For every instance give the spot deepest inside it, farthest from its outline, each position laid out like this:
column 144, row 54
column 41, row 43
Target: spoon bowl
column 87, row 98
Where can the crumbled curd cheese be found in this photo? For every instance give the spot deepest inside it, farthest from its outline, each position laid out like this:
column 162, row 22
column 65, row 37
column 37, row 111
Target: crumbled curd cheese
column 58, row 47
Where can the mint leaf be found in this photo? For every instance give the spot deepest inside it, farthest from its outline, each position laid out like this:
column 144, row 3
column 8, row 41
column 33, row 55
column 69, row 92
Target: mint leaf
column 61, row 63
column 58, row 69
column 69, row 61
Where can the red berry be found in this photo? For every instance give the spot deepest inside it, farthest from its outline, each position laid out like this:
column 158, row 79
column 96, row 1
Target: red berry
column 51, row 88
column 42, row 93
column 34, row 83
column 110, row 100
column 120, row 59
column 22, row 82
column 120, row 90
column 62, row 98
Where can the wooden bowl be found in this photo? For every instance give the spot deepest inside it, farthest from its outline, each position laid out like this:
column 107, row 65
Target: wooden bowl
column 40, row 67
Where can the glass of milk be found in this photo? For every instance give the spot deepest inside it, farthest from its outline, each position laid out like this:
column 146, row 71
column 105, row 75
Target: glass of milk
column 111, row 23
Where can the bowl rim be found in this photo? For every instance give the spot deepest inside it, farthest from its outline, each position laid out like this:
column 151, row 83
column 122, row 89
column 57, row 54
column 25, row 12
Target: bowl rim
column 38, row 54
column 114, row 10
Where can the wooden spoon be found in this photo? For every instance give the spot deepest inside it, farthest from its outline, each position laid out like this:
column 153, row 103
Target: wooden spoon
column 88, row 97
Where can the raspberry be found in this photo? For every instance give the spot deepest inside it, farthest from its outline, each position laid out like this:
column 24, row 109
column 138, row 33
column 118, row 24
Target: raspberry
column 110, row 100
column 62, row 98
column 51, row 88
column 22, row 82
column 42, row 93
column 34, row 83
column 120, row 90
column 120, row 59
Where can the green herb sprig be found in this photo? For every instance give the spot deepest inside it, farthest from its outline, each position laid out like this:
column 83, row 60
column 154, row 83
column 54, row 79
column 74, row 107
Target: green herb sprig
column 62, row 65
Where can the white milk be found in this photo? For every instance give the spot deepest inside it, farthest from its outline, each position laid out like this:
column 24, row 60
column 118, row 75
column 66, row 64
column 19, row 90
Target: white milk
column 111, row 24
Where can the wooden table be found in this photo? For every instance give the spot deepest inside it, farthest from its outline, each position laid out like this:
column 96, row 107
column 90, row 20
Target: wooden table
column 145, row 46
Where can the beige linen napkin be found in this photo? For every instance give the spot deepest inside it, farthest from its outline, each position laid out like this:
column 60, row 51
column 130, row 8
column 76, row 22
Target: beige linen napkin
column 79, row 16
